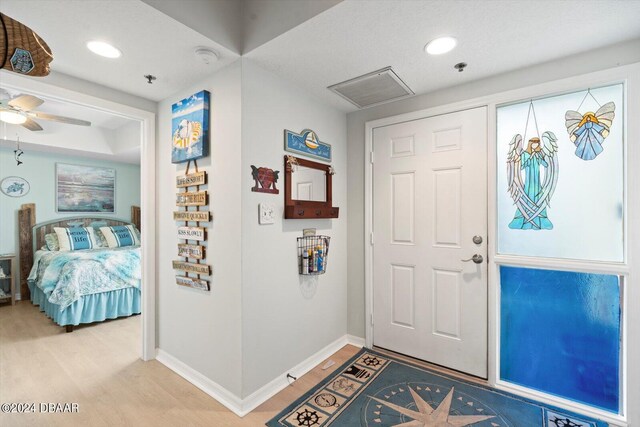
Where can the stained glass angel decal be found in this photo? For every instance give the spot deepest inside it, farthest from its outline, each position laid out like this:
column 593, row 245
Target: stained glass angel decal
column 588, row 131
column 532, row 192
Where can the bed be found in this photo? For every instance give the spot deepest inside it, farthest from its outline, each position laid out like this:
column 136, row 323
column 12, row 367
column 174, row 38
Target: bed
column 88, row 285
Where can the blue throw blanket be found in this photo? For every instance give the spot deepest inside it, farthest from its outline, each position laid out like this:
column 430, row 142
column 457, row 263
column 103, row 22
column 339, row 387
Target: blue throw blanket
column 66, row 276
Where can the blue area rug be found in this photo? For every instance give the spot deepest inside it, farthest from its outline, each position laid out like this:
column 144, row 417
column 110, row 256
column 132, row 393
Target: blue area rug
column 373, row 389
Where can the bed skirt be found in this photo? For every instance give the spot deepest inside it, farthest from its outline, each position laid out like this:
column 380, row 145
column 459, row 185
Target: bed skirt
column 90, row 308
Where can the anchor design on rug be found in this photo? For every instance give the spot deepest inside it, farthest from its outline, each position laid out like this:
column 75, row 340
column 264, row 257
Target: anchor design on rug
column 426, row 416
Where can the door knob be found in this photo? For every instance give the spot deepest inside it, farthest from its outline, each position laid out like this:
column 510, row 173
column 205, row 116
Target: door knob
column 477, row 258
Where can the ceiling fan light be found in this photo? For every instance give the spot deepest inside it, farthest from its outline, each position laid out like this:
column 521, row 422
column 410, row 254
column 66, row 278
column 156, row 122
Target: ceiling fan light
column 441, row 45
column 104, row 49
column 12, row 117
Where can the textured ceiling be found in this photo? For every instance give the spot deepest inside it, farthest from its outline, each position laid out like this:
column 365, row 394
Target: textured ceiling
column 358, row 36
column 264, row 20
column 324, row 45
column 151, row 43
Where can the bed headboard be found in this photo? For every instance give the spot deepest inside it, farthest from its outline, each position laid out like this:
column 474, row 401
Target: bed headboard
column 40, row 230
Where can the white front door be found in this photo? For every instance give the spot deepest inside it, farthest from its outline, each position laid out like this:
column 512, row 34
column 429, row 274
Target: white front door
column 429, row 212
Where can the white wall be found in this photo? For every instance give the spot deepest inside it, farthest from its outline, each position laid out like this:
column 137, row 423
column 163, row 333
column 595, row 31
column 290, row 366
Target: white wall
column 219, row 20
column 75, row 84
column 286, row 317
column 120, row 145
column 264, row 20
column 612, row 56
column 202, row 329
column 92, row 139
column 127, row 141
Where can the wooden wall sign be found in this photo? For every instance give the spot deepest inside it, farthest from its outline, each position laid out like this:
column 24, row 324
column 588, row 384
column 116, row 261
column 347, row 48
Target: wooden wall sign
column 265, row 180
column 191, row 251
column 192, row 268
column 192, row 233
column 192, row 283
column 198, row 198
column 198, row 178
column 196, row 216
column 184, row 199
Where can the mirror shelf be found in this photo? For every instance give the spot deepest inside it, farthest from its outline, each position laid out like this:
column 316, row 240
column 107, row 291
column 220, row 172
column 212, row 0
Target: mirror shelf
column 308, row 190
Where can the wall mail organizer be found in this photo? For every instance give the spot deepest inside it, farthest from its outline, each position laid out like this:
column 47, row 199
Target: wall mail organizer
column 313, row 253
column 192, row 248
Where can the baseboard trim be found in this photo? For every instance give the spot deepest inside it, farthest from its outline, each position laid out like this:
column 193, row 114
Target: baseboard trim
column 213, row 389
column 270, row 389
column 355, row 341
column 242, row 407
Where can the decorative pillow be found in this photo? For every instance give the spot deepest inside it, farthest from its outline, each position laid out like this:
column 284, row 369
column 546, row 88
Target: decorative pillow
column 76, row 238
column 51, row 241
column 121, row 235
column 102, row 241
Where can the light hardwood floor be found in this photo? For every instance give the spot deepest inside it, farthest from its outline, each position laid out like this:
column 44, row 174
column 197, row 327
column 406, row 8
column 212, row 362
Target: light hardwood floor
column 98, row 367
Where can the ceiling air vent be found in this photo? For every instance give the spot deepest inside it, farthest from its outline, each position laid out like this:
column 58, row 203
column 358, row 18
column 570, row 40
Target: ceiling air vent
column 373, row 88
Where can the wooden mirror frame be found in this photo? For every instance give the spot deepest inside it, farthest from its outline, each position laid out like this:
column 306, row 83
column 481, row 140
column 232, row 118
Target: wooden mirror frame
column 306, row 209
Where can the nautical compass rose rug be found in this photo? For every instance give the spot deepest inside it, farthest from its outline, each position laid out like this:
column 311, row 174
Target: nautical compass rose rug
column 372, row 389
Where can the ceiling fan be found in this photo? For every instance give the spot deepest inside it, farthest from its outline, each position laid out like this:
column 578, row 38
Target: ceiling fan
column 19, row 111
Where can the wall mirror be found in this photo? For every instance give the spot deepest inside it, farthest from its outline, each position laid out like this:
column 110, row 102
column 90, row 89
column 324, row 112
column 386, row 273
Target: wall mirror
column 309, row 184
column 307, row 190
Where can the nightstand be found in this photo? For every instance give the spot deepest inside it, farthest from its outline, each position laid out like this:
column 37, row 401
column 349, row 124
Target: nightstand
column 8, row 278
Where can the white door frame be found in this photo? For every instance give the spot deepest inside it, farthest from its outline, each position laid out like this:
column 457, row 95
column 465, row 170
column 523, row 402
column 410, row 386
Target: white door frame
column 147, row 180
column 630, row 349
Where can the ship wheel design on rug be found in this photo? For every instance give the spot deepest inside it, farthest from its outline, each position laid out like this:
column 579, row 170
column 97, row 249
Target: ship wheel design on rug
column 421, row 405
column 308, row 418
column 564, row 422
column 371, row 361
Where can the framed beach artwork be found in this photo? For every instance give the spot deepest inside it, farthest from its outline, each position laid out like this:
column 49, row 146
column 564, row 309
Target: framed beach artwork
column 85, row 188
column 190, row 128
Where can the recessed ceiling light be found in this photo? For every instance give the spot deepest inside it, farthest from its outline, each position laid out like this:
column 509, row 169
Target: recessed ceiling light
column 440, row 45
column 104, row 49
column 12, row 117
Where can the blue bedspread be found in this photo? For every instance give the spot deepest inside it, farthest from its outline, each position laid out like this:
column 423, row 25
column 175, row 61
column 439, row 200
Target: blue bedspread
column 64, row 277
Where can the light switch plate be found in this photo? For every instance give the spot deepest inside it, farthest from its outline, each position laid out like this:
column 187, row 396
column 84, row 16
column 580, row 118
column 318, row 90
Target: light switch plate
column 267, row 213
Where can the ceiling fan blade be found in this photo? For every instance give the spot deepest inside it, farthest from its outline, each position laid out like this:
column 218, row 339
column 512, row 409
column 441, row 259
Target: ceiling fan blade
column 60, row 119
column 32, row 125
column 25, row 102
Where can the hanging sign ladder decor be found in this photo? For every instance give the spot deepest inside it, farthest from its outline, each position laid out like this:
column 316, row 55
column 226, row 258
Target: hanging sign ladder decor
column 187, row 250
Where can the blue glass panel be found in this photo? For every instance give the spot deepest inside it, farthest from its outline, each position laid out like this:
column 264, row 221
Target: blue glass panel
column 560, row 334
